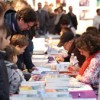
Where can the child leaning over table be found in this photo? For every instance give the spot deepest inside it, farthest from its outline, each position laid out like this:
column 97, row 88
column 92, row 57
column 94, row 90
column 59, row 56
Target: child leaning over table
column 14, row 74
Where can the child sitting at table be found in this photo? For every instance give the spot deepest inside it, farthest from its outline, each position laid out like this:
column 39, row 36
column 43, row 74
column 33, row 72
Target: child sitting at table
column 15, row 75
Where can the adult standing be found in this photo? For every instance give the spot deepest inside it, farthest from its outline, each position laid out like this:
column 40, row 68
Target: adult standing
column 96, row 20
column 20, row 22
column 72, row 17
column 43, row 18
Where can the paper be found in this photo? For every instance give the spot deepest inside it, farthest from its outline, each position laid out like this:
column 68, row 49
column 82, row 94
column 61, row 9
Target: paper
column 39, row 44
column 40, row 70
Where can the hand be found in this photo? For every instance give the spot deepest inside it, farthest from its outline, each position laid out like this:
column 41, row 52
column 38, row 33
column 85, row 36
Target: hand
column 36, row 77
column 71, row 68
column 59, row 59
column 79, row 77
column 33, row 68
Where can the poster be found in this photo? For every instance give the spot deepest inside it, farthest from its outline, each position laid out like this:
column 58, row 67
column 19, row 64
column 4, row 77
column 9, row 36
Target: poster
column 86, row 14
column 83, row 2
column 97, row 3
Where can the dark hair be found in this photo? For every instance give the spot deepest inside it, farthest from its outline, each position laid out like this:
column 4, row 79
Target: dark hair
column 55, row 10
column 6, row 30
column 28, row 15
column 10, row 52
column 20, row 40
column 92, row 28
column 97, row 10
column 60, row 8
column 88, row 43
column 92, row 31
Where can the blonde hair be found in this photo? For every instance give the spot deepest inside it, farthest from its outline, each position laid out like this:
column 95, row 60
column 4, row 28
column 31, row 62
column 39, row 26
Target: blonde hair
column 19, row 40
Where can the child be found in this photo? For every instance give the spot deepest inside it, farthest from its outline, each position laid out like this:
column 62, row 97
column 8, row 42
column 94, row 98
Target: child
column 4, row 83
column 14, row 74
column 20, row 42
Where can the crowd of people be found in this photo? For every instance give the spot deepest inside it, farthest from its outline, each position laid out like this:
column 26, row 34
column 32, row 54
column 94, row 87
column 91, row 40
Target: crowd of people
column 19, row 23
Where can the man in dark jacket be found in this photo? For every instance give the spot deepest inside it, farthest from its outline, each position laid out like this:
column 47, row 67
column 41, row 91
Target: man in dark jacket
column 72, row 17
column 20, row 23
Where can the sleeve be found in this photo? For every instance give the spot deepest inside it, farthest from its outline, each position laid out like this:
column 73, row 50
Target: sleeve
column 94, row 22
column 90, row 73
column 4, row 85
column 14, row 81
column 27, row 59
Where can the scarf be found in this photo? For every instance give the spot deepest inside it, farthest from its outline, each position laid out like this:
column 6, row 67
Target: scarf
column 86, row 64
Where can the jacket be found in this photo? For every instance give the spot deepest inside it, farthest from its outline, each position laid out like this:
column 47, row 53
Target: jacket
column 15, row 77
column 4, row 83
column 11, row 21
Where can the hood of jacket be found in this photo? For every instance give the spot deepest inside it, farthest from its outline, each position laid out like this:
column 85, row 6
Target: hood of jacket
column 11, row 65
column 11, row 21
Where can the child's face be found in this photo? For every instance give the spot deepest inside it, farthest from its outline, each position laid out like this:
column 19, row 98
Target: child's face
column 15, row 59
column 5, row 41
column 21, row 50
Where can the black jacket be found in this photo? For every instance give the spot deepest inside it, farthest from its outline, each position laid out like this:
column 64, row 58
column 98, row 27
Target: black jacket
column 11, row 21
column 73, row 20
column 4, row 83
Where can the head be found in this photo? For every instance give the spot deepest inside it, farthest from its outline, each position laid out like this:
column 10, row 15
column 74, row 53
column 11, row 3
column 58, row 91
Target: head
column 26, row 18
column 20, row 42
column 70, row 8
column 60, row 10
column 5, row 35
column 70, row 45
column 64, row 29
column 66, row 36
column 88, row 44
column 19, row 4
column 98, row 12
column 11, row 54
column 65, row 23
column 92, row 28
column 2, row 11
column 39, row 5
column 56, row 11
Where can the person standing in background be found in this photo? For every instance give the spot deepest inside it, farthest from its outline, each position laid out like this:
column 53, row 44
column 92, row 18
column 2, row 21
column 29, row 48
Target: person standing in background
column 96, row 20
column 43, row 19
column 72, row 17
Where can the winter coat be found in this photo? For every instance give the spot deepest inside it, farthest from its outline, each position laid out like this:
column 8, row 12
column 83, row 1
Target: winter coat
column 15, row 77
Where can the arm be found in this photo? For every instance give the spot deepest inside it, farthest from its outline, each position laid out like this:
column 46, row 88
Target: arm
column 27, row 59
column 91, row 72
column 4, row 85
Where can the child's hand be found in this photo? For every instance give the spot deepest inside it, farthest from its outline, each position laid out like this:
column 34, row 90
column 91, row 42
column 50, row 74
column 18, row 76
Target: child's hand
column 36, row 77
